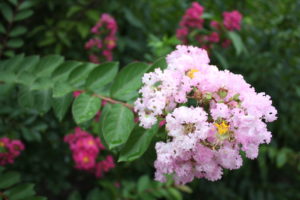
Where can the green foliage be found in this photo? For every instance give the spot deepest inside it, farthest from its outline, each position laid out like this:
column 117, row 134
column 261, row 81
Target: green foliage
column 12, row 28
column 50, row 81
column 117, row 124
column 137, row 144
column 12, row 188
column 128, row 81
column 85, row 107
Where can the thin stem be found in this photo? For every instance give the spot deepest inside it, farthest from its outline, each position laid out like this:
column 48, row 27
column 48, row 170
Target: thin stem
column 113, row 101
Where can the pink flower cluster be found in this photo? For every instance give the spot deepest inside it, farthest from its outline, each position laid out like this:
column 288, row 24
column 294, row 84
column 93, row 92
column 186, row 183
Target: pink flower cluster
column 232, row 20
column 9, row 150
column 105, row 39
column 211, row 115
column 192, row 22
column 85, row 150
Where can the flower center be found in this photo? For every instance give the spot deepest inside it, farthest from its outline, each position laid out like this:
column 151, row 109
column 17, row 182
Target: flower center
column 191, row 73
column 222, row 127
column 189, row 128
column 91, row 143
column 2, row 144
column 86, row 159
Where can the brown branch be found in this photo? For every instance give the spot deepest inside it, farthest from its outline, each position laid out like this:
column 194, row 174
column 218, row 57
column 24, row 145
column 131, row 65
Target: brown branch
column 113, row 101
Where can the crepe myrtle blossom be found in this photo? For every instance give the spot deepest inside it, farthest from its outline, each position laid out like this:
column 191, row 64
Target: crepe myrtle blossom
column 9, row 150
column 232, row 20
column 85, row 152
column 211, row 115
column 195, row 28
column 104, row 40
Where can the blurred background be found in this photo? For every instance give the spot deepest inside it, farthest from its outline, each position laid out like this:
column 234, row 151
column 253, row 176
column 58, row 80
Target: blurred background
column 265, row 51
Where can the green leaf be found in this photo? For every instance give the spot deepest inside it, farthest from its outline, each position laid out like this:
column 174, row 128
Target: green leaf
column 62, row 72
column 26, row 98
column 15, row 43
column 48, row 64
column 20, row 192
column 61, row 88
column 104, row 111
column 128, row 81
column 7, row 77
column 78, row 76
column 6, row 11
column 42, row 100
column 237, row 42
column 159, row 63
column 118, row 123
column 83, row 29
column 102, row 75
column 28, row 64
column 25, row 5
column 2, row 29
column 143, row 183
column 221, row 59
column 207, row 16
column 137, row 144
column 25, row 78
column 17, row 31
column 9, row 53
column 85, row 107
column 13, row 63
column 14, row 2
column 73, row 9
column 61, row 105
column 23, row 15
column 133, row 20
column 94, row 194
column 35, row 198
column 42, row 83
column 176, row 195
column 74, row 196
column 9, row 179
column 184, row 188
column 31, row 135
column 281, row 158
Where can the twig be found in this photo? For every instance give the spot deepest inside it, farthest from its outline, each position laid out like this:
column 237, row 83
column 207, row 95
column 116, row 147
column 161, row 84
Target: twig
column 113, row 101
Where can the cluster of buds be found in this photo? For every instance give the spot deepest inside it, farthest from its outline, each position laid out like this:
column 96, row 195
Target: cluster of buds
column 85, row 152
column 211, row 116
column 104, row 39
column 9, row 150
column 193, row 29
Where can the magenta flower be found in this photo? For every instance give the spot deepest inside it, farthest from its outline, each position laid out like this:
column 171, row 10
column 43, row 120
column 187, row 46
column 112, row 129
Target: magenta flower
column 214, row 37
column 192, row 17
column 232, row 20
column 105, row 40
column 85, row 150
column 226, row 43
column 215, row 24
column 10, row 149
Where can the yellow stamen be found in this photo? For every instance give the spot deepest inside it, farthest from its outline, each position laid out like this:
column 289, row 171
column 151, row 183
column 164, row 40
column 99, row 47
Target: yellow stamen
column 111, row 42
column 2, row 144
column 91, row 142
column 222, row 128
column 86, row 159
column 191, row 72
